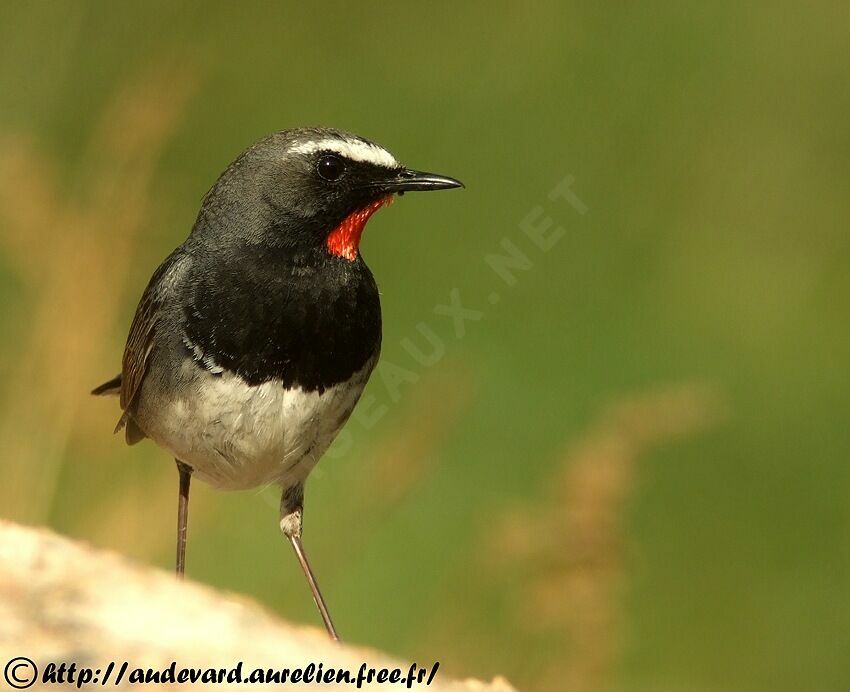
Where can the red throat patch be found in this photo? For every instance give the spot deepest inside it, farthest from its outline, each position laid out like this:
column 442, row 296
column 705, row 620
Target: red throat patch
column 344, row 240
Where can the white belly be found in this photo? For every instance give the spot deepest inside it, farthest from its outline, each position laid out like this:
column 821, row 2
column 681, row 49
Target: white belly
column 237, row 436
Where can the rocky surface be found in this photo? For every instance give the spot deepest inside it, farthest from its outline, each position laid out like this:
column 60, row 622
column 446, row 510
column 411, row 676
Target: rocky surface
column 62, row 601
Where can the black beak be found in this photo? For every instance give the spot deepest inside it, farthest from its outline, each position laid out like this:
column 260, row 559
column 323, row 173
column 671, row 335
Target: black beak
column 407, row 180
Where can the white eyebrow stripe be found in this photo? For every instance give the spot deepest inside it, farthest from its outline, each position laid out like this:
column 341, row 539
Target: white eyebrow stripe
column 350, row 149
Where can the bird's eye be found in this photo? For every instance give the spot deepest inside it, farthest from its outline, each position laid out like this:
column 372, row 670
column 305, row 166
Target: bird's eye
column 330, row 167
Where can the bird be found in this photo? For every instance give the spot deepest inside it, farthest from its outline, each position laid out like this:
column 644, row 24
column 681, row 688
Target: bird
column 254, row 339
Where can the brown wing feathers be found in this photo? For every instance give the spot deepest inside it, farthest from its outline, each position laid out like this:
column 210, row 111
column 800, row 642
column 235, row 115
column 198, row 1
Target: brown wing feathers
column 134, row 364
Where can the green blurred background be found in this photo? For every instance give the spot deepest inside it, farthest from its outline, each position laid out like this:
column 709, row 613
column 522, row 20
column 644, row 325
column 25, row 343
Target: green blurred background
column 631, row 473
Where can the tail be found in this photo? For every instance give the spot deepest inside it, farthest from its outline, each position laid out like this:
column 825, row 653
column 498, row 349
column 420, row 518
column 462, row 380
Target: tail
column 132, row 432
column 111, row 388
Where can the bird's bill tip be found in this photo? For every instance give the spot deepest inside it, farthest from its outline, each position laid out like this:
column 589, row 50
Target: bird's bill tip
column 408, row 180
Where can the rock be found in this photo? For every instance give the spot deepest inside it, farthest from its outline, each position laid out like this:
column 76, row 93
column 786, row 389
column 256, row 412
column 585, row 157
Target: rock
column 65, row 602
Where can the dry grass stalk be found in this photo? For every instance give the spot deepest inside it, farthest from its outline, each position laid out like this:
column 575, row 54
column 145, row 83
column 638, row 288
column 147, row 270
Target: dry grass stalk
column 573, row 550
column 72, row 251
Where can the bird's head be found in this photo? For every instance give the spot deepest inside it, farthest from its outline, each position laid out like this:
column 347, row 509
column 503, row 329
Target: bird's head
column 306, row 189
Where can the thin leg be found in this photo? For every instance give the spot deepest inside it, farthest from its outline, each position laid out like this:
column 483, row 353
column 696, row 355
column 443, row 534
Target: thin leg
column 182, row 516
column 291, row 511
column 314, row 586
